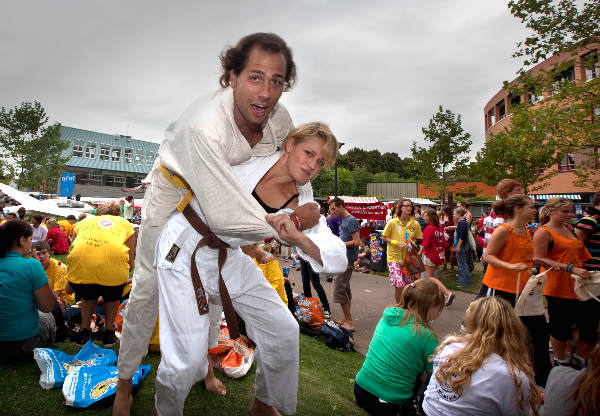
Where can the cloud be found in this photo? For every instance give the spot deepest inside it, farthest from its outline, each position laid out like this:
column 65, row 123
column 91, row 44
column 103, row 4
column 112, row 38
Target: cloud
column 376, row 72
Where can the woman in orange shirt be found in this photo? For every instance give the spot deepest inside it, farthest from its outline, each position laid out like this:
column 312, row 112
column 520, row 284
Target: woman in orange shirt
column 509, row 255
column 556, row 245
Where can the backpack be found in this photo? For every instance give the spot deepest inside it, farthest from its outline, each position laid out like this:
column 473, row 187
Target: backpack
column 336, row 336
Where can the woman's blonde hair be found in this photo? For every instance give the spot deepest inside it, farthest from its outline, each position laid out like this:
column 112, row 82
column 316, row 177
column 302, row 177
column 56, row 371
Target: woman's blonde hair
column 492, row 327
column 319, row 129
column 460, row 211
column 109, row 208
column 551, row 205
column 416, row 299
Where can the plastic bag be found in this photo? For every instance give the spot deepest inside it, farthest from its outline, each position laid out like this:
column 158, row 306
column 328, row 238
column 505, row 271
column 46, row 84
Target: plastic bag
column 55, row 365
column 85, row 385
column 587, row 288
column 309, row 311
column 233, row 357
column 413, row 262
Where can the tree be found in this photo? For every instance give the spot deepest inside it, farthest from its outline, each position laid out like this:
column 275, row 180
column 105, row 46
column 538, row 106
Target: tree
column 448, row 150
column 323, row 184
column 361, row 178
column 31, row 149
column 567, row 119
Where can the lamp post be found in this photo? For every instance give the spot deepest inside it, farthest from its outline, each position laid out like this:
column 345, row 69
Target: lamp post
column 335, row 187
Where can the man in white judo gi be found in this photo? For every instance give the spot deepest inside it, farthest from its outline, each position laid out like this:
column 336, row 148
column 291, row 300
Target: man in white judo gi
column 200, row 148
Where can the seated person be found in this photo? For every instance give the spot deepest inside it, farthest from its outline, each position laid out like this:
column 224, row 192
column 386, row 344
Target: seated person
column 570, row 391
column 56, row 237
column 399, row 351
column 270, row 268
column 23, row 290
column 363, row 263
column 488, row 370
column 67, row 226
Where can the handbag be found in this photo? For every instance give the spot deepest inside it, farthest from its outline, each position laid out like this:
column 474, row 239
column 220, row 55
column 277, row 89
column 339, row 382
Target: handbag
column 531, row 300
column 471, row 239
column 587, row 288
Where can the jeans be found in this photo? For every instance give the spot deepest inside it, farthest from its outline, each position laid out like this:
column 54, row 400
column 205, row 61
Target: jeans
column 464, row 277
column 308, row 276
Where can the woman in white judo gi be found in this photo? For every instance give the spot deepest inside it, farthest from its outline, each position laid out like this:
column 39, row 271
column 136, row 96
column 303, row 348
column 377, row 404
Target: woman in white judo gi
column 280, row 183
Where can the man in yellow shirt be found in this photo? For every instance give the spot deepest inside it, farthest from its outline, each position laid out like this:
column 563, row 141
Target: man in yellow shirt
column 398, row 233
column 68, row 225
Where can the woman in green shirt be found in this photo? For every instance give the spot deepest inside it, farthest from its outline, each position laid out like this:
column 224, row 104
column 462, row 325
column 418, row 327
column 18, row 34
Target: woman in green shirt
column 399, row 351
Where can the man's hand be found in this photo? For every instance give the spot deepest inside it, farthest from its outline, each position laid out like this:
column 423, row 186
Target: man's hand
column 309, row 215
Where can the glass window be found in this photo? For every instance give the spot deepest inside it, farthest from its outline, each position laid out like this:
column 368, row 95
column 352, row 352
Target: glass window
column 597, row 156
column 104, row 153
column 501, row 110
column 139, row 156
column 90, row 151
column 116, row 154
column 149, row 158
column 78, row 148
column 592, row 70
column 128, row 155
column 535, row 97
column 515, row 100
column 567, row 163
column 491, row 118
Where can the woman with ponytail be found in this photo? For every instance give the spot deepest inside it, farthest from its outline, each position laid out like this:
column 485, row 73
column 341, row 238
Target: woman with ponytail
column 400, row 350
column 556, row 246
column 23, row 290
column 487, row 370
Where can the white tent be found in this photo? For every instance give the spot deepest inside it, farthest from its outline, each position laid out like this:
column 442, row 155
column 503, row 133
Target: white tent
column 33, row 205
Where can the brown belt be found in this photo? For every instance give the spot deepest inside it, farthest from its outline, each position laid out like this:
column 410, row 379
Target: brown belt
column 212, row 241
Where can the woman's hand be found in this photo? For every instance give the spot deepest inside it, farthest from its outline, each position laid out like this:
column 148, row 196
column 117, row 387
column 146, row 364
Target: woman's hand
column 402, row 244
column 581, row 272
column 519, row 267
column 285, row 228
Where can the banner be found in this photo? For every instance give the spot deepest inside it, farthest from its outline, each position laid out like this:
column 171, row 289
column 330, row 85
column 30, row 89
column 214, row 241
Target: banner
column 375, row 211
column 67, row 182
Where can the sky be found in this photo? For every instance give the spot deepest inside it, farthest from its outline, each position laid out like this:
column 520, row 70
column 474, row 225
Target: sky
column 376, row 72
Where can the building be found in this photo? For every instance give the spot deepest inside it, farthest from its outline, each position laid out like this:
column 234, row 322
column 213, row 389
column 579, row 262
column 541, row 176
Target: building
column 104, row 164
column 463, row 190
column 497, row 114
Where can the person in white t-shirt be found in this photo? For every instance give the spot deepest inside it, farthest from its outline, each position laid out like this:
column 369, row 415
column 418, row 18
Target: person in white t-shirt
column 39, row 231
column 487, row 371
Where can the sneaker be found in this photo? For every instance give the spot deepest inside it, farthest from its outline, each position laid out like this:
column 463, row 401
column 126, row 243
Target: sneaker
column 83, row 336
column 326, row 314
column 109, row 338
column 450, row 299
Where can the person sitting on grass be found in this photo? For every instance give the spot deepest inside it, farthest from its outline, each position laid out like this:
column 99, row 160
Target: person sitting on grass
column 363, row 263
column 23, row 290
column 487, row 371
column 56, row 237
column 399, row 351
column 574, row 392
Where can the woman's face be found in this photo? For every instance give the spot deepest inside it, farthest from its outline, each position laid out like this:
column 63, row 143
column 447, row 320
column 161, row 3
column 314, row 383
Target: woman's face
column 305, row 159
column 25, row 244
column 426, row 218
column 562, row 214
column 528, row 211
column 433, row 313
column 456, row 216
column 406, row 208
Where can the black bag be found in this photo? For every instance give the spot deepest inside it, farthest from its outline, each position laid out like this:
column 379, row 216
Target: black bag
column 336, row 336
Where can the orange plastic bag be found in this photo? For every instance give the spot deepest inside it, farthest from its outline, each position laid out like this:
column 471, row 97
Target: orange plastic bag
column 233, row 357
column 309, row 312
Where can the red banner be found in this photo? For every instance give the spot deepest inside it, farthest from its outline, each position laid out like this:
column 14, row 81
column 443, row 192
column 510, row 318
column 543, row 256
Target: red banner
column 375, row 211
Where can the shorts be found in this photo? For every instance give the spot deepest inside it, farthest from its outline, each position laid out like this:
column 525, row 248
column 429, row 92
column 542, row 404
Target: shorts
column 427, row 262
column 399, row 275
column 564, row 313
column 94, row 291
column 341, row 286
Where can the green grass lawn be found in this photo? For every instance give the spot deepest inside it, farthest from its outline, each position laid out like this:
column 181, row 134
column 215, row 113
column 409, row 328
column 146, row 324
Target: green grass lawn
column 326, row 384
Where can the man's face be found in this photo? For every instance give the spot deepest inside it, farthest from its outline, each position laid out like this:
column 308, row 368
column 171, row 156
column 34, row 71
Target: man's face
column 337, row 210
column 258, row 87
column 517, row 190
column 44, row 258
column 35, row 223
column 331, row 209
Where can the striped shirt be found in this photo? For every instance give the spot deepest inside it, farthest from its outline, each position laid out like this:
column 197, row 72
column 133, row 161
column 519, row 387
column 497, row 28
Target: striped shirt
column 591, row 225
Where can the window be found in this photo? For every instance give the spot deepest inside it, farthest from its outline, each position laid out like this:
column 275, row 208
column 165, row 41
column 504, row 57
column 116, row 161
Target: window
column 515, row 100
column 139, row 156
column 90, row 151
column 540, row 172
column 490, row 115
column 566, row 163
column 128, row 155
column 568, row 75
column 104, row 153
column 149, row 158
column 116, row 154
column 534, row 96
column 78, row 148
column 597, row 111
column 597, row 156
column 501, row 110
column 592, row 70
column 132, row 181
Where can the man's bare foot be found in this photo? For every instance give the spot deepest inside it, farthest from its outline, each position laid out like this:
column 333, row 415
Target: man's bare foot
column 214, row 385
column 259, row 408
column 348, row 326
column 123, row 398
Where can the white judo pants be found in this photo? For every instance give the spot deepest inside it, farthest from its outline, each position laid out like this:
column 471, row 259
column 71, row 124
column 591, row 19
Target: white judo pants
column 184, row 333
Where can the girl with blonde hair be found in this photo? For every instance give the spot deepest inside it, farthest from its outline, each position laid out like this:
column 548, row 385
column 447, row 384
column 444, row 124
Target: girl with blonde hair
column 399, row 351
column 486, row 371
column 555, row 245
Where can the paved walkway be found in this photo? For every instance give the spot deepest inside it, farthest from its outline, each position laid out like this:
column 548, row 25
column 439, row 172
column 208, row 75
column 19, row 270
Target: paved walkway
column 371, row 295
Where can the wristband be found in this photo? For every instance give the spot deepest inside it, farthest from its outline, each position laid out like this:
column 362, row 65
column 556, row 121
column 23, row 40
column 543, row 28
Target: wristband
column 570, row 268
column 394, row 242
column 296, row 220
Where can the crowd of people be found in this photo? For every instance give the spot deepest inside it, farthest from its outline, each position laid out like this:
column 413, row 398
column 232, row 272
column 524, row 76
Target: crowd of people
column 196, row 255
